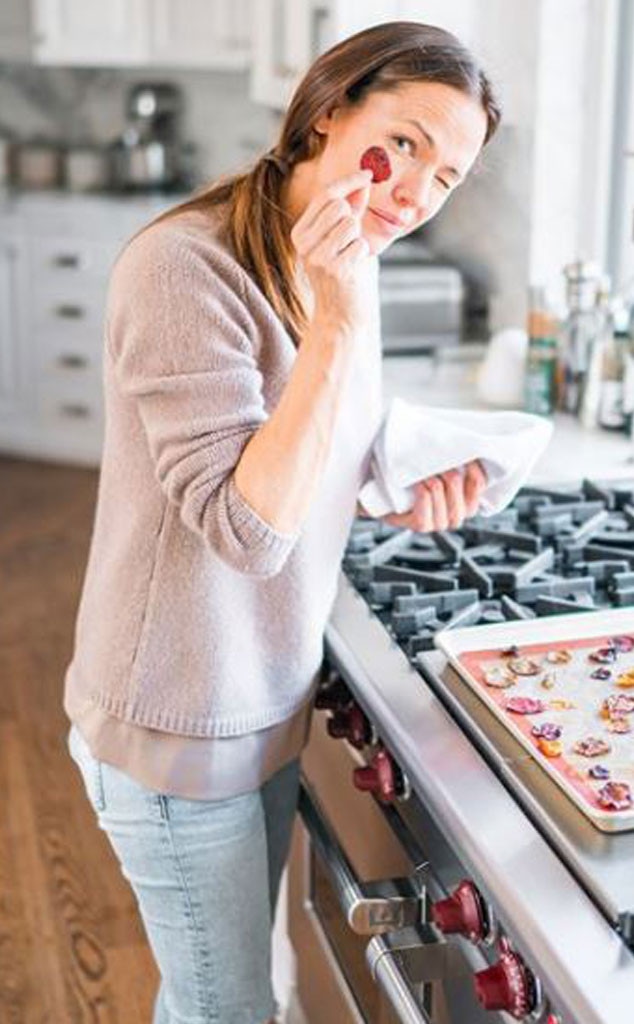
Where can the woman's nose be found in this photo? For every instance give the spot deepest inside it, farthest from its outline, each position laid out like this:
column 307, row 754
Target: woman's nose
column 415, row 190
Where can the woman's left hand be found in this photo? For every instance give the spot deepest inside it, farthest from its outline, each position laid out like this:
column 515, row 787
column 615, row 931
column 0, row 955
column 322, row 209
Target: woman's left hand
column 443, row 502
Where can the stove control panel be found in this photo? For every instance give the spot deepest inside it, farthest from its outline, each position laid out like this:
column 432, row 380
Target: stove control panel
column 347, row 721
column 383, row 777
column 333, row 694
column 351, row 724
column 508, row 985
column 463, row 913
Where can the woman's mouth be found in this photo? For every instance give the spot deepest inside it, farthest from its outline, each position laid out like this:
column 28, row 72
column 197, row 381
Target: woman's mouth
column 387, row 224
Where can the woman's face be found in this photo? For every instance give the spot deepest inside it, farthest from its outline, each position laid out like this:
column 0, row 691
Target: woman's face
column 432, row 134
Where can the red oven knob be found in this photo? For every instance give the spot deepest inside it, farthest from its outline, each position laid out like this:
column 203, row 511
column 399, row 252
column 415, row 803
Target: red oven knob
column 507, row 985
column 461, row 913
column 351, row 724
column 382, row 777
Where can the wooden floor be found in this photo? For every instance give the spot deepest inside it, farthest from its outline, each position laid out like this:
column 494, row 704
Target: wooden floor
column 72, row 948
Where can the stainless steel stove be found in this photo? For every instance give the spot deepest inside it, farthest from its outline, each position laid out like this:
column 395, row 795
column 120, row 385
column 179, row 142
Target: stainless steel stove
column 449, row 881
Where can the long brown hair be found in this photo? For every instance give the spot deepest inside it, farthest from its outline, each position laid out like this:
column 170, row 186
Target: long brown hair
column 377, row 59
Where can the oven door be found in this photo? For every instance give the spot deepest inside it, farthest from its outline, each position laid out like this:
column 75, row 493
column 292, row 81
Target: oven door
column 359, row 961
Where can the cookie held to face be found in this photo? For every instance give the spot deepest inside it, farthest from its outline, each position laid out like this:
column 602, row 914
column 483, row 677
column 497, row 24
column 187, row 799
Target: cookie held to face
column 375, row 159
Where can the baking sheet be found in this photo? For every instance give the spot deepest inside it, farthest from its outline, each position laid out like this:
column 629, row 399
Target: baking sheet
column 472, row 650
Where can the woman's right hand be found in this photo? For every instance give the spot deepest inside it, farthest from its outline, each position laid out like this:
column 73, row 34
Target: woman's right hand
column 328, row 240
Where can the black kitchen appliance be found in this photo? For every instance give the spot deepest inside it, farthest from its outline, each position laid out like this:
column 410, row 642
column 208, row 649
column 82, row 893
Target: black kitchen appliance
column 149, row 153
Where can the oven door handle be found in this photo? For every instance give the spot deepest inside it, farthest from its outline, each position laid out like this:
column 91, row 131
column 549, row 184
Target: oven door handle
column 380, row 956
column 372, row 907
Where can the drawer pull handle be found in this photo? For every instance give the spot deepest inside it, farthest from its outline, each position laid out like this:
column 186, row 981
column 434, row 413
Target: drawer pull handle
column 72, row 362
column 76, row 410
column 70, row 312
column 66, row 260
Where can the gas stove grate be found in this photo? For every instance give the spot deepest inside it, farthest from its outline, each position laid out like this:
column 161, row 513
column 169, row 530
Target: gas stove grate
column 550, row 552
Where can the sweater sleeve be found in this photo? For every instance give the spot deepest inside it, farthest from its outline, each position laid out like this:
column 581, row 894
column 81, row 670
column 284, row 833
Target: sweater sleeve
column 180, row 337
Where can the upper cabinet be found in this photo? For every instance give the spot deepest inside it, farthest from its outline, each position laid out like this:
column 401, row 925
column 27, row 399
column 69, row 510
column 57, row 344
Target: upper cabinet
column 90, row 32
column 291, row 33
column 211, row 34
column 463, row 18
column 289, row 36
column 201, row 33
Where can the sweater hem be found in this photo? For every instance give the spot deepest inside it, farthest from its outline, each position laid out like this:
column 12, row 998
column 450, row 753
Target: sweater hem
column 142, row 714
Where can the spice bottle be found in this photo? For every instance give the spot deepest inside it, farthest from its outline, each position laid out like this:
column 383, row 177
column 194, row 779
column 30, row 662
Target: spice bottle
column 612, row 412
column 579, row 330
column 541, row 364
column 598, row 358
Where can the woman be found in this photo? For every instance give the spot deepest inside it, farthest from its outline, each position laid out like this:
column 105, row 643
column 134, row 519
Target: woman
column 242, row 387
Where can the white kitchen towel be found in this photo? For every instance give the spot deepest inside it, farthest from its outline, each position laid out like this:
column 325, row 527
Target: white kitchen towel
column 417, row 441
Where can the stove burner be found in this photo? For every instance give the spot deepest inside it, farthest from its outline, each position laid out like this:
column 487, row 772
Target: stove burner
column 550, row 552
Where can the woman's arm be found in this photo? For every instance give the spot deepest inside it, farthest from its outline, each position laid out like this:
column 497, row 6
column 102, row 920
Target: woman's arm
column 282, row 465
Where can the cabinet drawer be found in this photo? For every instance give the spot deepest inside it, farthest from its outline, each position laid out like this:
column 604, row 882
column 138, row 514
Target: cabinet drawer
column 69, row 355
column 68, row 405
column 73, row 310
column 58, row 261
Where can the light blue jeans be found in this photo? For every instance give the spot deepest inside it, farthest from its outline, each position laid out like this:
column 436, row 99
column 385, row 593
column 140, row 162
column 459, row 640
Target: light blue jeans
column 205, row 874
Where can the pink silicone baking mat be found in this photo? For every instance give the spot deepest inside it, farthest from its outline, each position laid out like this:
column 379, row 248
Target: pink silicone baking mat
column 569, row 682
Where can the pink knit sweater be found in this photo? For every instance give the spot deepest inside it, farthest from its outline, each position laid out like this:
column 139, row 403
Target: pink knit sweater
column 196, row 616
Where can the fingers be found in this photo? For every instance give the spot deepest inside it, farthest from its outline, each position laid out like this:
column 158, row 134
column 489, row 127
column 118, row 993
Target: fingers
column 440, row 514
column 346, row 259
column 338, row 191
column 422, row 514
column 443, row 502
column 454, row 498
column 359, row 199
column 475, row 482
column 338, row 237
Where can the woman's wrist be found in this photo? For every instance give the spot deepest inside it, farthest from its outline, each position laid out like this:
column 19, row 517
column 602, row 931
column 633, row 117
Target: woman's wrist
column 327, row 331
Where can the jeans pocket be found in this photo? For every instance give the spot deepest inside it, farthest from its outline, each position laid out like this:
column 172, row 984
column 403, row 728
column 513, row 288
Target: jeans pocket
column 89, row 767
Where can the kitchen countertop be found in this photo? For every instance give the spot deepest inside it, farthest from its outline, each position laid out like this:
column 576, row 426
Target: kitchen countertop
column 574, row 452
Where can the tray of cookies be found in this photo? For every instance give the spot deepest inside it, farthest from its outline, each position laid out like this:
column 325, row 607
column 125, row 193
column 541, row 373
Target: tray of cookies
column 564, row 687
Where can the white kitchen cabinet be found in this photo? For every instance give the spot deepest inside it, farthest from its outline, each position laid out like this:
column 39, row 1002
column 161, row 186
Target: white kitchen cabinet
column 458, row 16
column 15, row 30
column 212, row 34
column 291, row 33
column 91, row 32
column 345, row 17
column 13, row 373
column 200, row 33
column 287, row 41
column 56, row 253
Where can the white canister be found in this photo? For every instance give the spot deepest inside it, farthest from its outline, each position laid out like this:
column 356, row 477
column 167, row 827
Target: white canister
column 501, row 376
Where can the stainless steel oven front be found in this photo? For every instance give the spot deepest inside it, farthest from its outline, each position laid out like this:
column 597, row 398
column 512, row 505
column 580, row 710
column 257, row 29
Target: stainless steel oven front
column 358, row 909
